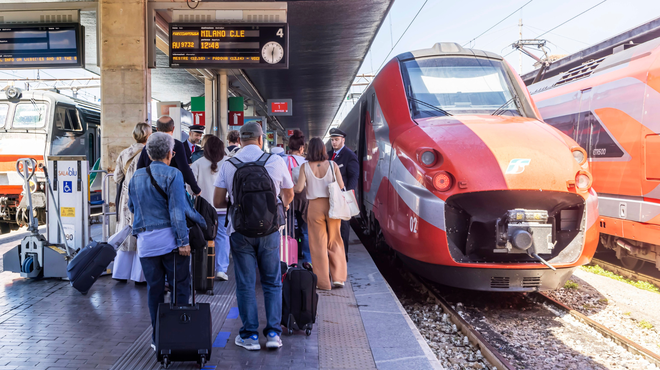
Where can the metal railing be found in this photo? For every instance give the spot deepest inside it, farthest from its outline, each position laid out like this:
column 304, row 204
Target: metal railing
column 105, row 193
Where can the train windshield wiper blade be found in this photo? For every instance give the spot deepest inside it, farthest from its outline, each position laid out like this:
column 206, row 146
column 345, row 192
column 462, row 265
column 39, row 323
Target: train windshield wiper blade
column 501, row 109
column 429, row 105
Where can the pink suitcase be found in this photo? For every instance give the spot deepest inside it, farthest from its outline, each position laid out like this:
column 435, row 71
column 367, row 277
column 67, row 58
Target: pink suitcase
column 288, row 245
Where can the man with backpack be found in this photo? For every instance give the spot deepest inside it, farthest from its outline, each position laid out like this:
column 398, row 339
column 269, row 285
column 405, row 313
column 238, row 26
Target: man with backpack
column 253, row 180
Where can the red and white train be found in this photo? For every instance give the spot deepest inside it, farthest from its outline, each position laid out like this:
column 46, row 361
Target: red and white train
column 462, row 178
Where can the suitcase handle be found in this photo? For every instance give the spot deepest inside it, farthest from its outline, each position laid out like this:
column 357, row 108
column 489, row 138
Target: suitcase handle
column 192, row 278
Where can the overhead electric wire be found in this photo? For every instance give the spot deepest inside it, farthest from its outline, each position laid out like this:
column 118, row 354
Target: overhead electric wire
column 502, row 20
column 554, row 28
column 403, row 34
column 561, row 24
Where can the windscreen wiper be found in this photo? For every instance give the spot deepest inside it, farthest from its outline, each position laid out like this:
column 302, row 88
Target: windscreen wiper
column 501, row 109
column 429, row 105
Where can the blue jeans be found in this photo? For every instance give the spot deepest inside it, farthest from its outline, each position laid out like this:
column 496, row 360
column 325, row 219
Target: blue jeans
column 221, row 246
column 307, row 257
column 155, row 269
column 250, row 254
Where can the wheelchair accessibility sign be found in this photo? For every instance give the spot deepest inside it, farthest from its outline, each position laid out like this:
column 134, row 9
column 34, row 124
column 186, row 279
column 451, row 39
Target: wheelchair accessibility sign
column 67, row 187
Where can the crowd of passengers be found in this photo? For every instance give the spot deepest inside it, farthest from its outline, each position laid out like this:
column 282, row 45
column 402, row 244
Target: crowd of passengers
column 199, row 166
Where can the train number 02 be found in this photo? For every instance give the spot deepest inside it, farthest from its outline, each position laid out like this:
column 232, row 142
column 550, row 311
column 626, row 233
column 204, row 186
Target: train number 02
column 413, row 224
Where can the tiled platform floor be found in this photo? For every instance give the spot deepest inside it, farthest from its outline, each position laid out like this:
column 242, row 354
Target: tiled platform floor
column 46, row 324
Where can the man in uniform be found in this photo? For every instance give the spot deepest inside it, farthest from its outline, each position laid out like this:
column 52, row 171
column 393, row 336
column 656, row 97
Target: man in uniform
column 349, row 167
column 195, row 136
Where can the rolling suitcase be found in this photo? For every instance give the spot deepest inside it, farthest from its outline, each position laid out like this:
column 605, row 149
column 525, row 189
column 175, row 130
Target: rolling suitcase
column 299, row 299
column 288, row 245
column 203, row 266
column 183, row 331
column 89, row 264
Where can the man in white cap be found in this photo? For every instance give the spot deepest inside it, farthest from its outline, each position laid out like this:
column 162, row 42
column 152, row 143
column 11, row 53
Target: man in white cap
column 254, row 219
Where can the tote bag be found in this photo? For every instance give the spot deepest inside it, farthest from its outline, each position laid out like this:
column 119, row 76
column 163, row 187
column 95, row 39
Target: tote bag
column 351, row 201
column 339, row 208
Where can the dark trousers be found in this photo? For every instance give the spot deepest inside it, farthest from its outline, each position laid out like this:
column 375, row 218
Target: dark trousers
column 155, row 269
column 345, row 232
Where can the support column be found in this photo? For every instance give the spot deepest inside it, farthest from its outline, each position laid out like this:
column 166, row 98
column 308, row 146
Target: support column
column 223, row 105
column 125, row 78
column 208, row 106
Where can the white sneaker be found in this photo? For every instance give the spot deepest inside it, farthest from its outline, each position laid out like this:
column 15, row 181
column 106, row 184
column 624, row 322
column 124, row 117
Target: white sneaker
column 153, row 346
column 251, row 343
column 274, row 341
column 222, row 276
column 338, row 284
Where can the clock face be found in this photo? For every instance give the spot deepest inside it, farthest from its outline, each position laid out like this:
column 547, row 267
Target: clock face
column 272, row 52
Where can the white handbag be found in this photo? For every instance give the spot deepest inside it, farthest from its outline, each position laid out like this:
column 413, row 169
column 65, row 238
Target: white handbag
column 119, row 237
column 339, row 208
column 349, row 195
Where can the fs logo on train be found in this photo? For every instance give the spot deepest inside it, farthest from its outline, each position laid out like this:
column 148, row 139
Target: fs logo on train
column 517, row 166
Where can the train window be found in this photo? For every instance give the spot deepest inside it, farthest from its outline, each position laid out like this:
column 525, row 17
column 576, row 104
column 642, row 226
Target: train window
column 67, row 119
column 436, row 86
column 27, row 116
column 3, row 114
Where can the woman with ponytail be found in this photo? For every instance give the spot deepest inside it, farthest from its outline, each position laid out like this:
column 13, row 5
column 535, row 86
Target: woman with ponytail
column 206, row 170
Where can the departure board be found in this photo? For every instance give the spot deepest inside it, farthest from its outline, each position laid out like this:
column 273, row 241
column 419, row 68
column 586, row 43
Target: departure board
column 213, row 45
column 41, row 46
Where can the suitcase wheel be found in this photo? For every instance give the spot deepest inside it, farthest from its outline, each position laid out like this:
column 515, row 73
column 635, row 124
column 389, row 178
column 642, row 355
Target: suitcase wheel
column 308, row 332
column 166, row 362
column 202, row 360
column 290, row 331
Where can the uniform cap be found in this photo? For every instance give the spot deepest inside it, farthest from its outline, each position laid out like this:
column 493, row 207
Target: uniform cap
column 197, row 128
column 337, row 132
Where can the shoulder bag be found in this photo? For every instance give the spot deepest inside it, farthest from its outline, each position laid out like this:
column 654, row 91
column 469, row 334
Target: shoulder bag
column 339, row 209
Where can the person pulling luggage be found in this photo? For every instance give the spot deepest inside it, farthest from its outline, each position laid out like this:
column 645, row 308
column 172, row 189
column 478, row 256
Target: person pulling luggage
column 160, row 224
column 254, row 236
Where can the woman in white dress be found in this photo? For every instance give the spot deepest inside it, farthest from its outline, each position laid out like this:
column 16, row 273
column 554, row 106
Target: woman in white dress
column 206, row 170
column 127, row 263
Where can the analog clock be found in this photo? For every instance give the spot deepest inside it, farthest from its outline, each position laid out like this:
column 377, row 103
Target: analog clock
column 272, row 52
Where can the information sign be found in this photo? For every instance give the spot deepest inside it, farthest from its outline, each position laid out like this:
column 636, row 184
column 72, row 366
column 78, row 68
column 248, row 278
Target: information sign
column 280, row 107
column 41, row 46
column 213, row 45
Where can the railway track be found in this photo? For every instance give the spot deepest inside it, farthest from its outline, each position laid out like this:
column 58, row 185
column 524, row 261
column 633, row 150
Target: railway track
column 626, row 273
column 626, row 343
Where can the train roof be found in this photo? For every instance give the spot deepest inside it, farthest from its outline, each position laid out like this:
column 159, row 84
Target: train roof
column 623, row 41
column 447, row 49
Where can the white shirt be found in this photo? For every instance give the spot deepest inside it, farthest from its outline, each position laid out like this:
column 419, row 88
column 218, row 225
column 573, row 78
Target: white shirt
column 275, row 167
column 201, row 168
column 337, row 151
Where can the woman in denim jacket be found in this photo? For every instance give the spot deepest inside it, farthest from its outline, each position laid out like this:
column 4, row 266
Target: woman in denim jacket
column 160, row 224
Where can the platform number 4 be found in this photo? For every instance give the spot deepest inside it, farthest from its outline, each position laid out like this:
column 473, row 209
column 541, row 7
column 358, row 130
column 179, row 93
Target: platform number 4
column 280, row 32
column 413, row 224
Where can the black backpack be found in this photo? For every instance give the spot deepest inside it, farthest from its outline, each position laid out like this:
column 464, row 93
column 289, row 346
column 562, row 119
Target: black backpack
column 254, row 211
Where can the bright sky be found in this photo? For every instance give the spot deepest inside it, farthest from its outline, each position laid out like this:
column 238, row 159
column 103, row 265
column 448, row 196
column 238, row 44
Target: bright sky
column 462, row 21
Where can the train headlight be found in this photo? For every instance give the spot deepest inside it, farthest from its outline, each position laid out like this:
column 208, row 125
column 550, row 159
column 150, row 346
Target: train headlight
column 580, row 155
column 428, row 158
column 583, row 181
column 13, row 93
column 442, row 181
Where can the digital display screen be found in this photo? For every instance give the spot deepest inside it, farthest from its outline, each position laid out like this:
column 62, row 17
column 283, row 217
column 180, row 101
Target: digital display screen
column 212, row 45
column 41, row 46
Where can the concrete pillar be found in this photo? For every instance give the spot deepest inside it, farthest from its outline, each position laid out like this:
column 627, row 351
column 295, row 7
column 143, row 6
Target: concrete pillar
column 223, row 105
column 125, row 78
column 208, row 106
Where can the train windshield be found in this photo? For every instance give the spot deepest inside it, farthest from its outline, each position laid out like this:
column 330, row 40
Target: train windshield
column 29, row 116
column 3, row 114
column 459, row 86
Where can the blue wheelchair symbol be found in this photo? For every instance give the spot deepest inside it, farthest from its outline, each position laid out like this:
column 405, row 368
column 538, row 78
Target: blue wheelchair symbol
column 68, row 188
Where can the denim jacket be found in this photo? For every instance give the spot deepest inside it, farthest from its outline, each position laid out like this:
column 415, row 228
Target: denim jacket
column 150, row 209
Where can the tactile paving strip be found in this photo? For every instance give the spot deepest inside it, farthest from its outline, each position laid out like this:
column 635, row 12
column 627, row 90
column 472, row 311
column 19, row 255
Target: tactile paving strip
column 141, row 356
column 343, row 342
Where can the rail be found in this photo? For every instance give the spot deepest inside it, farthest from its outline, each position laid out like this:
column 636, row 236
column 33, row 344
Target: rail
column 105, row 193
column 489, row 352
column 626, row 343
column 626, row 273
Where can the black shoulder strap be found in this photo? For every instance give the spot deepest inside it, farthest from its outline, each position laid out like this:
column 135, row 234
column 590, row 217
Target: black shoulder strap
column 262, row 163
column 155, row 184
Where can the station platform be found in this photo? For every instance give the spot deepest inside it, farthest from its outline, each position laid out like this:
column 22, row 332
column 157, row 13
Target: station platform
column 46, row 324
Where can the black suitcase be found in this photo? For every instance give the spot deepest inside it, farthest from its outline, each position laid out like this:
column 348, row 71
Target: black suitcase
column 89, row 264
column 203, row 284
column 184, row 331
column 299, row 299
